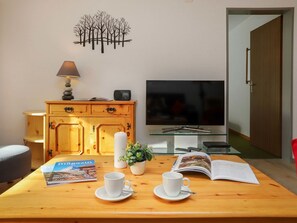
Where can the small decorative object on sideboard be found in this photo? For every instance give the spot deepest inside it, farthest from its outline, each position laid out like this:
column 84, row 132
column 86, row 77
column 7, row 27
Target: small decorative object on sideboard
column 68, row 70
column 122, row 95
column 136, row 156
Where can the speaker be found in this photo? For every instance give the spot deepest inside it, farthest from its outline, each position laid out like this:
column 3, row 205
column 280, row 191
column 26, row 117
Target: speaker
column 122, row 95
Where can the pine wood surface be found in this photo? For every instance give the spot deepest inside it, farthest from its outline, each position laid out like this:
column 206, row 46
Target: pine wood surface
column 34, row 136
column 34, row 126
column 87, row 127
column 215, row 201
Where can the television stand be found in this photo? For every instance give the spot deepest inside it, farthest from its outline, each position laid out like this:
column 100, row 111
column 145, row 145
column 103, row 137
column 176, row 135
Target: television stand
column 195, row 129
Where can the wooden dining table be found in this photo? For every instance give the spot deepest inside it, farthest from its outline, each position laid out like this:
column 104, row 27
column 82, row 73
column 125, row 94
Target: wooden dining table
column 31, row 200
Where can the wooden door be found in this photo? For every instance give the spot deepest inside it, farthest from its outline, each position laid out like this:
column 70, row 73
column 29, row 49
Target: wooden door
column 266, row 77
column 66, row 136
column 105, row 130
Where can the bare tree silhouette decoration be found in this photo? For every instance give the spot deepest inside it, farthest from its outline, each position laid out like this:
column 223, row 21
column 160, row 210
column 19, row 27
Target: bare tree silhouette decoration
column 102, row 28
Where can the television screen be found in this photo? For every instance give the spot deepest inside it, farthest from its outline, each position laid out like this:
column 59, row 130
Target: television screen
column 184, row 102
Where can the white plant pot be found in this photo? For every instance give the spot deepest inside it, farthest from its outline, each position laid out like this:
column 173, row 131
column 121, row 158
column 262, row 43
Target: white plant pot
column 138, row 168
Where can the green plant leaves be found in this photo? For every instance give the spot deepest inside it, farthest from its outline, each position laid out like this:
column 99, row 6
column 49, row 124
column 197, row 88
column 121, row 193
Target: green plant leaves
column 137, row 153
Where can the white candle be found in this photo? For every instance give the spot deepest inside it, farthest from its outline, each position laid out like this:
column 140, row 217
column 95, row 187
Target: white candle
column 120, row 144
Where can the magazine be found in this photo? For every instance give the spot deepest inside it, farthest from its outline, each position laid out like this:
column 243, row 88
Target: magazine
column 47, row 171
column 71, row 172
column 215, row 169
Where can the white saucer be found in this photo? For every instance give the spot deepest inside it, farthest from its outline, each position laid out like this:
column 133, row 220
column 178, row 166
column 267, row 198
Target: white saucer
column 101, row 194
column 159, row 191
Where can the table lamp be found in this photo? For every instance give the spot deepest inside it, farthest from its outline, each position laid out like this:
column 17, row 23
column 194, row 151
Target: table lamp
column 68, row 70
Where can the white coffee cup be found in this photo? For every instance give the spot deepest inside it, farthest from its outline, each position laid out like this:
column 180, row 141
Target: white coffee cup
column 114, row 183
column 173, row 182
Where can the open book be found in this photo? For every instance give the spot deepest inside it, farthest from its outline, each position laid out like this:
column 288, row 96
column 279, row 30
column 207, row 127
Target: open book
column 215, row 169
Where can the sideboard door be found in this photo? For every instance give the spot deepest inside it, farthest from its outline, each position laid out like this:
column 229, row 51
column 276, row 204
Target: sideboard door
column 105, row 130
column 66, row 136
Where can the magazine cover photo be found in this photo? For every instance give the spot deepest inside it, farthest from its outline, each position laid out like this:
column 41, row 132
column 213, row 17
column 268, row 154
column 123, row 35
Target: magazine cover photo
column 73, row 171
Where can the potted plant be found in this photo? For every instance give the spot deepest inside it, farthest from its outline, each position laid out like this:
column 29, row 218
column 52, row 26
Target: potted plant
column 136, row 156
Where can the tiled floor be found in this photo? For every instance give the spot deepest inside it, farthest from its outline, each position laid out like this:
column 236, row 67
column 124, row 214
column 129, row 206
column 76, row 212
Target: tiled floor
column 279, row 170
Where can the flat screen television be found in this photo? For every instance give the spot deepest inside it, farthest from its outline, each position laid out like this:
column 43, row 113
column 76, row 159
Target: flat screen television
column 185, row 102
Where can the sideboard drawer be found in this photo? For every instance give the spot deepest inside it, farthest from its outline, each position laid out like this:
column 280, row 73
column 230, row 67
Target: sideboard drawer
column 69, row 109
column 111, row 109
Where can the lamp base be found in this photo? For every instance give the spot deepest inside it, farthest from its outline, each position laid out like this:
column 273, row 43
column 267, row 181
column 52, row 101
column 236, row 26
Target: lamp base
column 67, row 94
column 67, row 97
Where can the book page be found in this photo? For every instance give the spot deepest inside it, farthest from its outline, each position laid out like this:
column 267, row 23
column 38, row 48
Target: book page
column 229, row 170
column 194, row 161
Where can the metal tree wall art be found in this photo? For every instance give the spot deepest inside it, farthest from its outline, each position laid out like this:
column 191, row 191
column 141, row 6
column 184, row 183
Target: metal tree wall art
column 102, row 28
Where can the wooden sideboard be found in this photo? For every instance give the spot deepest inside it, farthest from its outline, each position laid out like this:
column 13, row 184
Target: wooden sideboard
column 86, row 127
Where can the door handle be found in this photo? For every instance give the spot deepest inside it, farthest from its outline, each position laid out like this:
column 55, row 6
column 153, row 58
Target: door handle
column 247, row 81
column 69, row 109
column 111, row 109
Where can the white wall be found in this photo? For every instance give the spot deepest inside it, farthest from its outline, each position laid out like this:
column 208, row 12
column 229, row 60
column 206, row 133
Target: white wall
column 172, row 39
column 239, row 91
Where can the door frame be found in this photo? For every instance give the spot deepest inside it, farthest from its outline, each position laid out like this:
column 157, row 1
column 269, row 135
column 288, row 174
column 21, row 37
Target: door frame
column 287, row 85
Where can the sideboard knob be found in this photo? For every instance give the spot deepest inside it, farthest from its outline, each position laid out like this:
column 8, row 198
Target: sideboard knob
column 69, row 109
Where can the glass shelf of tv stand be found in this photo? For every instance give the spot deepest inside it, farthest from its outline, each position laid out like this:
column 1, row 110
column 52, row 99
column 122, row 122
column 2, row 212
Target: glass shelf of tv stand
column 184, row 132
column 176, row 151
